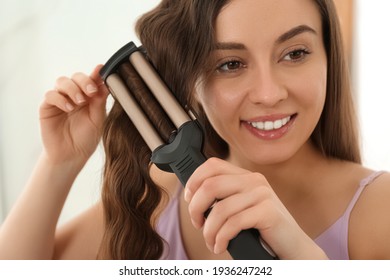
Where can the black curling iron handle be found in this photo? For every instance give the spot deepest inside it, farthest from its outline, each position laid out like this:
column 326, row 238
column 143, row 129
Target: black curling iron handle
column 183, row 156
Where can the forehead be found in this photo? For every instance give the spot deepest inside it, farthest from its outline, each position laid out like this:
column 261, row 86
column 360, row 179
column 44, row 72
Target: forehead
column 265, row 19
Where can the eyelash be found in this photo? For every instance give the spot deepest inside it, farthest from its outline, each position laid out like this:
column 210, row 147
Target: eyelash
column 226, row 63
column 302, row 51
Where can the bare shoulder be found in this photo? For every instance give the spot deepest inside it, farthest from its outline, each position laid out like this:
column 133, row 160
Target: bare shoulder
column 370, row 223
column 80, row 238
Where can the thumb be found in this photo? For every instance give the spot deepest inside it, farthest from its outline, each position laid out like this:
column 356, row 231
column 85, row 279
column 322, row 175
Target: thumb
column 95, row 76
column 98, row 101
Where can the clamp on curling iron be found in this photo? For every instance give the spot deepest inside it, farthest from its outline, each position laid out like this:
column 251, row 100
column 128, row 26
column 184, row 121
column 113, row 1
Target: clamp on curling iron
column 180, row 151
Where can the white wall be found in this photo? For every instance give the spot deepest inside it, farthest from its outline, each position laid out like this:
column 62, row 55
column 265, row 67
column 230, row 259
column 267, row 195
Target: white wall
column 372, row 78
column 43, row 39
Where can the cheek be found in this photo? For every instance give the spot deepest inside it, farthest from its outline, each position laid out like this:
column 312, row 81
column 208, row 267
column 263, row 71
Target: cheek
column 221, row 104
column 320, row 91
column 313, row 90
column 216, row 100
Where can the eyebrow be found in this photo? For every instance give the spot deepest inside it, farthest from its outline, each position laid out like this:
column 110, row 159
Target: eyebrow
column 229, row 46
column 295, row 32
column 282, row 38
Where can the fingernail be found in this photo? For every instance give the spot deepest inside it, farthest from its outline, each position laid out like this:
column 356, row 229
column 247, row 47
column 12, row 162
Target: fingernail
column 80, row 98
column 209, row 247
column 69, row 107
column 187, row 195
column 195, row 224
column 91, row 89
column 217, row 251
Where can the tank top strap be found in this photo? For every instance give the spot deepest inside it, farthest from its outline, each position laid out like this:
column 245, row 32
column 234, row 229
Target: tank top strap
column 363, row 184
column 334, row 240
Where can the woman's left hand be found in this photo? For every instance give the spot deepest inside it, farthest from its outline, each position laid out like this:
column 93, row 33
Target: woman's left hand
column 240, row 200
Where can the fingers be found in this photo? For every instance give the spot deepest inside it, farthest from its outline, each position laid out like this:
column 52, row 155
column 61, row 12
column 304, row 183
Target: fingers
column 232, row 227
column 211, row 190
column 241, row 200
column 67, row 96
column 236, row 195
column 211, row 168
column 55, row 99
column 216, row 180
column 236, row 213
column 76, row 91
column 95, row 76
column 72, row 89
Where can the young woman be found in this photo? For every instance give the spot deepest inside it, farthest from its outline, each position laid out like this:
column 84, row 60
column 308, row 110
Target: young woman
column 267, row 81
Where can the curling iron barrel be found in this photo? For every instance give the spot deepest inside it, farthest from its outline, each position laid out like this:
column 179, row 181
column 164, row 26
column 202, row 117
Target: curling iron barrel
column 179, row 151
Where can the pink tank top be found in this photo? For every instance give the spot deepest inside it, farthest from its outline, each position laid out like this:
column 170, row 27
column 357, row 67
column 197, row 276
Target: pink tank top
column 334, row 240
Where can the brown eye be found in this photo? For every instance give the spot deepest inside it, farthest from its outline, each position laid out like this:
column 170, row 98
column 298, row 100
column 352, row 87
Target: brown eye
column 230, row 66
column 296, row 55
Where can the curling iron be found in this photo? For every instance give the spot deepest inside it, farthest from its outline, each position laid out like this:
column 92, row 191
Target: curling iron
column 179, row 151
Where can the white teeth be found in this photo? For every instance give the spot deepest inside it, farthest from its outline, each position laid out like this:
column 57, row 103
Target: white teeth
column 270, row 125
column 278, row 124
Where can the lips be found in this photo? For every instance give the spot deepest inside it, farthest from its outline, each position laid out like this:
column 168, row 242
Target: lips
column 270, row 127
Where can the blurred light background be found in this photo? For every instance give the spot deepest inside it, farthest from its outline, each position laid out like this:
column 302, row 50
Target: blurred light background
column 41, row 40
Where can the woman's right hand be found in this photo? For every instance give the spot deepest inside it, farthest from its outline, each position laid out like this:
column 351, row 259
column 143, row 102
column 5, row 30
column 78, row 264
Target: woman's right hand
column 72, row 116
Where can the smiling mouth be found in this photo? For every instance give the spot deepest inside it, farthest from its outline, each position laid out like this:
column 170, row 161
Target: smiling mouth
column 271, row 125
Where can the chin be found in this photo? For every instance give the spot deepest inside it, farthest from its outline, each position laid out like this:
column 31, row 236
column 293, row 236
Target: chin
column 268, row 158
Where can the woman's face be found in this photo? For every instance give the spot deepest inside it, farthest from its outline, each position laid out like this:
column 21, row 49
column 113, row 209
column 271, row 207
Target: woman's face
column 267, row 91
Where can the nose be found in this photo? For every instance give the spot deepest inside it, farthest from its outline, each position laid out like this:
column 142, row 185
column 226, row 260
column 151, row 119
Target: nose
column 267, row 88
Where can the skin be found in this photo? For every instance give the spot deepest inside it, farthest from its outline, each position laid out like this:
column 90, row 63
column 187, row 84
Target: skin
column 271, row 77
column 72, row 110
column 261, row 74
column 259, row 78
column 269, row 67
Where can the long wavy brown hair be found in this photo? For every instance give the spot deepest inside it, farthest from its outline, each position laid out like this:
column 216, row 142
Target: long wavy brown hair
column 179, row 39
